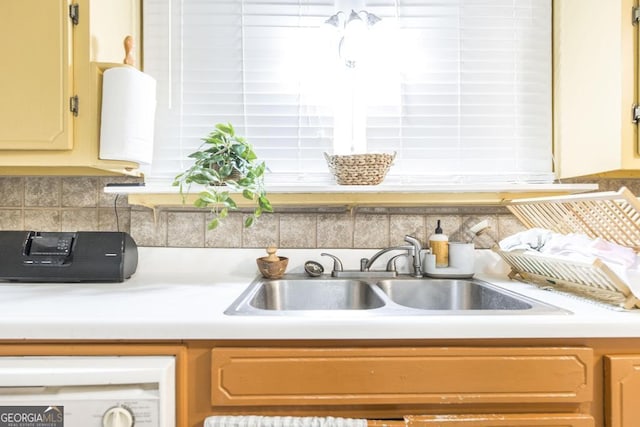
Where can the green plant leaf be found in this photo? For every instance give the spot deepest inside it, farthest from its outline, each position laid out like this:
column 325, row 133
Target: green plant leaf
column 248, row 194
column 226, row 170
column 238, row 149
column 207, row 197
column 232, row 204
column 265, row 204
column 248, row 222
column 225, row 128
column 214, row 223
column 199, row 203
column 222, row 197
column 250, row 155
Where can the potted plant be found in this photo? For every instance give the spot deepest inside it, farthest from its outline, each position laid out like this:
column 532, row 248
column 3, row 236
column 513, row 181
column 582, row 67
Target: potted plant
column 224, row 163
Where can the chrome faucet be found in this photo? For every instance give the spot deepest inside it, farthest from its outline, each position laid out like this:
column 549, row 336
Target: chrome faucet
column 337, row 264
column 414, row 249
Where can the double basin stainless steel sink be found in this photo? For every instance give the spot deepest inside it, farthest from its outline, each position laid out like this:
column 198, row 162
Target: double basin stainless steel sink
column 400, row 296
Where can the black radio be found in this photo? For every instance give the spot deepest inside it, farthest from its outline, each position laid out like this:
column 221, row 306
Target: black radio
column 83, row 256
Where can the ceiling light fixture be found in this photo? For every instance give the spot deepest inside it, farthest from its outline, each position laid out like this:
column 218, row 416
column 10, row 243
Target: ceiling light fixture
column 353, row 30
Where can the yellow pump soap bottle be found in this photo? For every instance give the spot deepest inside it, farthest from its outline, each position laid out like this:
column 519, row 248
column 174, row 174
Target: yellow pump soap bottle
column 439, row 244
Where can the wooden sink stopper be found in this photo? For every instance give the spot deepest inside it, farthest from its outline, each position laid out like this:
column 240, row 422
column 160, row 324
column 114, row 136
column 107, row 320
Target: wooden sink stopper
column 271, row 254
column 272, row 266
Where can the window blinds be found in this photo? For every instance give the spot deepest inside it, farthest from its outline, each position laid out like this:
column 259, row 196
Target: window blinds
column 460, row 89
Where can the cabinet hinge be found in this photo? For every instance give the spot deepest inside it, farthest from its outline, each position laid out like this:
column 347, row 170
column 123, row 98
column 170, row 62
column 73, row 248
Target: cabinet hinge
column 74, row 13
column 635, row 15
column 74, row 105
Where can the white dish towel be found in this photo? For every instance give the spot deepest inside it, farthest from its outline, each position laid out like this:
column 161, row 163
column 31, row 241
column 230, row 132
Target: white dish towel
column 261, row 421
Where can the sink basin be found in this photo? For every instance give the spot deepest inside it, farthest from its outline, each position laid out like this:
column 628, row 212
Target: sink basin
column 309, row 294
column 298, row 295
column 446, row 294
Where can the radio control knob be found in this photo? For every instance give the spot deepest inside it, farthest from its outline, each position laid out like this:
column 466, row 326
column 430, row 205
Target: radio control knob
column 118, row 416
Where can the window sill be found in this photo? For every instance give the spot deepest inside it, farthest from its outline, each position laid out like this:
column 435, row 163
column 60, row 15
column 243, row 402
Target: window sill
column 354, row 195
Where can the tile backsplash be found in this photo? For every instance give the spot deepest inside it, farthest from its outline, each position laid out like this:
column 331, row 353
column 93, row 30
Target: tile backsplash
column 77, row 203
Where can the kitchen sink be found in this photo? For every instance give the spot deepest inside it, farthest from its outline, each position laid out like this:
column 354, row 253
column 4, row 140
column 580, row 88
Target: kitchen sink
column 445, row 294
column 299, row 295
column 310, row 294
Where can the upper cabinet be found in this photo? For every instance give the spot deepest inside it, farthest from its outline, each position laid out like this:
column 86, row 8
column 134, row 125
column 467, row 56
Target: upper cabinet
column 54, row 53
column 36, row 76
column 595, row 61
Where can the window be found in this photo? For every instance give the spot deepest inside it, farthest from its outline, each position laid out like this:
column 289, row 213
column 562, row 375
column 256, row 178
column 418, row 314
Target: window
column 460, row 89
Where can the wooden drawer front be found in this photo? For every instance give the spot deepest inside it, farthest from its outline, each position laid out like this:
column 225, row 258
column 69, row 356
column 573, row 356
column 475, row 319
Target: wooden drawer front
column 507, row 420
column 346, row 376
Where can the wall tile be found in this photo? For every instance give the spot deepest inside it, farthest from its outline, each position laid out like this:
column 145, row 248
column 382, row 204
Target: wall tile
column 633, row 185
column 335, row 230
column 11, row 219
column 298, row 230
column 228, row 234
column 109, row 221
column 371, row 231
column 79, row 220
column 42, row 219
column 11, row 191
column 401, row 225
column 264, row 232
column 42, row 191
column 146, row 230
column 34, row 203
column 509, row 225
column 185, row 229
column 80, row 191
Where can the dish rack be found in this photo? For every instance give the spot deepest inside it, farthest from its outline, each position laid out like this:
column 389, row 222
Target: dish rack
column 612, row 216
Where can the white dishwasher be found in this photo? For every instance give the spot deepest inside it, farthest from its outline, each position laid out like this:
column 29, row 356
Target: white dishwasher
column 87, row 391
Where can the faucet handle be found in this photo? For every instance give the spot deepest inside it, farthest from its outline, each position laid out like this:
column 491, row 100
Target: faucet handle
column 337, row 264
column 391, row 264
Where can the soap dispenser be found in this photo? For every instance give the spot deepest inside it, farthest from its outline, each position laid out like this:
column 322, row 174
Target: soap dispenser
column 439, row 244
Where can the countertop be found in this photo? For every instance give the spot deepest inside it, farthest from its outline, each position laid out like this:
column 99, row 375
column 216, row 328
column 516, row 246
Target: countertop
column 179, row 293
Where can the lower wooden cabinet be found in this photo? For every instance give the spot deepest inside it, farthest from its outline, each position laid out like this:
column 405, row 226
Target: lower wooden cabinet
column 622, row 390
column 429, row 386
column 504, row 420
column 351, row 376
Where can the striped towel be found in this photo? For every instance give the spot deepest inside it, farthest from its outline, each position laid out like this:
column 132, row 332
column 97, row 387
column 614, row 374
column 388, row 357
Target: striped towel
column 260, row 421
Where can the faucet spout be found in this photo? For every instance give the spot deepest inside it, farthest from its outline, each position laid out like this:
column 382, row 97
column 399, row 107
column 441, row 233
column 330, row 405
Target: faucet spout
column 413, row 249
column 365, row 266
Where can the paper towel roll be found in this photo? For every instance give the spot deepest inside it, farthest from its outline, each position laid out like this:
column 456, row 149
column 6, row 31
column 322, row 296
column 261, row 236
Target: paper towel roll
column 128, row 113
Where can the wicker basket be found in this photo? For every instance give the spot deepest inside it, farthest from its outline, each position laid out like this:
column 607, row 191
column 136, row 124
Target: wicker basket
column 359, row 169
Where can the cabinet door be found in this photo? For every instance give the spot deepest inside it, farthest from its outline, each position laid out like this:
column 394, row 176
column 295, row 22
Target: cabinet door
column 500, row 420
column 622, row 385
column 35, row 75
column 595, row 83
column 353, row 376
